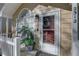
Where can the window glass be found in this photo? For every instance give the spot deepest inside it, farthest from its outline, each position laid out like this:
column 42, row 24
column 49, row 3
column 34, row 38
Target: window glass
column 48, row 29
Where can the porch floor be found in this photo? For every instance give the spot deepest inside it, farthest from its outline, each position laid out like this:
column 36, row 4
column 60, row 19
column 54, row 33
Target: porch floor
column 34, row 53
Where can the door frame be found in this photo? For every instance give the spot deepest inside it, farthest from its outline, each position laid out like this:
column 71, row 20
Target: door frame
column 57, row 37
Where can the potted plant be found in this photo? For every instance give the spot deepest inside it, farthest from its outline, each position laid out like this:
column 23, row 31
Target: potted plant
column 27, row 38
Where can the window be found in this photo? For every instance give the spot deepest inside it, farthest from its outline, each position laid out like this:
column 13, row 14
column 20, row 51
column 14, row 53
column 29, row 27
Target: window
column 48, row 29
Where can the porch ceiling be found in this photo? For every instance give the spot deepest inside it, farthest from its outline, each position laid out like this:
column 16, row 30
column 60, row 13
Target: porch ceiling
column 9, row 8
column 65, row 6
column 31, row 6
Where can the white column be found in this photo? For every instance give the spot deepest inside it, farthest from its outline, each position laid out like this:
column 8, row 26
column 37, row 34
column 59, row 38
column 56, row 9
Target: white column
column 75, row 41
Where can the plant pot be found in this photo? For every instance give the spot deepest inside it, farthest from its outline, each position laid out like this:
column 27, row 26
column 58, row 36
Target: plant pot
column 29, row 48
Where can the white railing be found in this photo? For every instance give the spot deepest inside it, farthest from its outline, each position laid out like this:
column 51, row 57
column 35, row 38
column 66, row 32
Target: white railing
column 10, row 46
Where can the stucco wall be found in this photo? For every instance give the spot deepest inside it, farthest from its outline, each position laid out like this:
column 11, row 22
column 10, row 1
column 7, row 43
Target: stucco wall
column 65, row 21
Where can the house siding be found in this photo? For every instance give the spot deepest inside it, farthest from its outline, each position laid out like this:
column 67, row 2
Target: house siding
column 66, row 32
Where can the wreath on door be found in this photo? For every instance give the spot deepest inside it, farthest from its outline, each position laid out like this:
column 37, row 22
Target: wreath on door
column 46, row 23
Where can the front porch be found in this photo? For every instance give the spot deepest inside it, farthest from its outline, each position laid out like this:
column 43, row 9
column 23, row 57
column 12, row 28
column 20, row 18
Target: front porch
column 33, row 15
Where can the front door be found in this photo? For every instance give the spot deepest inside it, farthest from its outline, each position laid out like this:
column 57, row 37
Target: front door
column 50, row 32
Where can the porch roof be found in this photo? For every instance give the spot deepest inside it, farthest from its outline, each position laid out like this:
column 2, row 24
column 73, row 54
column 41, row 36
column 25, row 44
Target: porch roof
column 11, row 8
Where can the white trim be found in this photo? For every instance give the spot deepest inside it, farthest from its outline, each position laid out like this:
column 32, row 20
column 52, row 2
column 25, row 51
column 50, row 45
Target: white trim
column 59, row 30
column 75, row 41
column 9, row 42
column 22, row 11
column 16, row 49
column 53, row 12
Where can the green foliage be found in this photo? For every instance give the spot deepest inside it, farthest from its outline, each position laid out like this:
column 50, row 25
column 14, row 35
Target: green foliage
column 29, row 40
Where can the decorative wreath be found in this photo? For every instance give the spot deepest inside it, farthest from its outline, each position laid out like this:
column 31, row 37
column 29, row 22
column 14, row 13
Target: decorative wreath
column 46, row 22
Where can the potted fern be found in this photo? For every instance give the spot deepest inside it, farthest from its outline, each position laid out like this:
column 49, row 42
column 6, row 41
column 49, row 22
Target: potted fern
column 27, row 38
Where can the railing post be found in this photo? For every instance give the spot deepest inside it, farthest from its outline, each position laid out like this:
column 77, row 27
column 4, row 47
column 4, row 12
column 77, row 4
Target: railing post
column 16, row 46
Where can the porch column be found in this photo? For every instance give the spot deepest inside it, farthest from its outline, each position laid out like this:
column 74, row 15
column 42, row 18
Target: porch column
column 75, row 41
